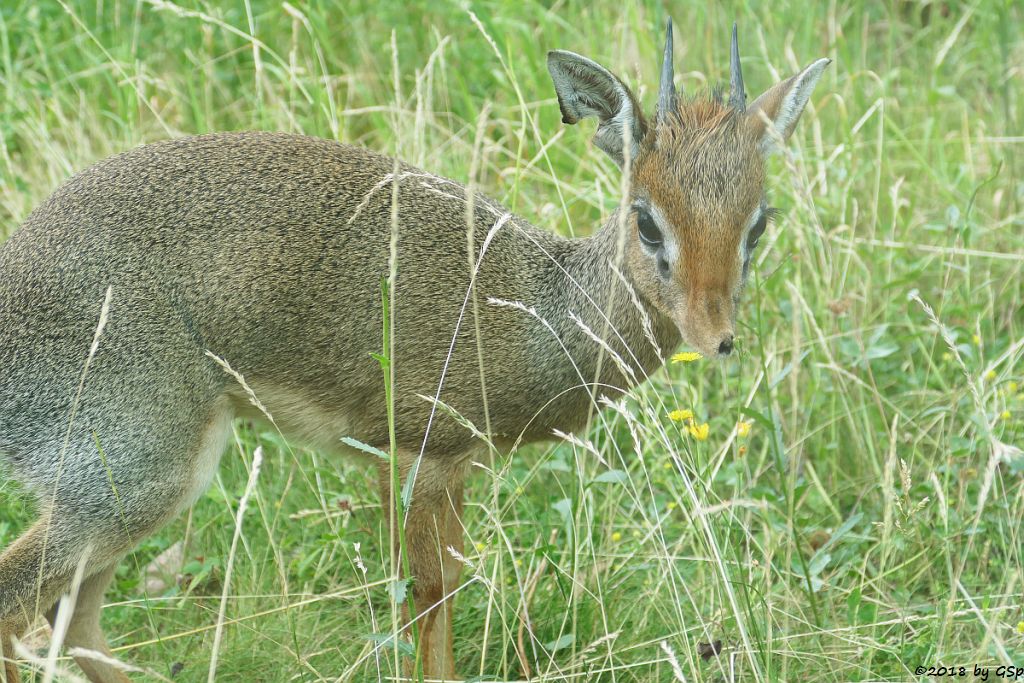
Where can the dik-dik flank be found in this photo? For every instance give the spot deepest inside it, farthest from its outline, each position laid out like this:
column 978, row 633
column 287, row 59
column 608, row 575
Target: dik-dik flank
column 121, row 290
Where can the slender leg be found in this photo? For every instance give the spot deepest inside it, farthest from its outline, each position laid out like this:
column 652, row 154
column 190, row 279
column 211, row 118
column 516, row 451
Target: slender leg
column 25, row 583
column 433, row 524
column 8, row 673
column 84, row 630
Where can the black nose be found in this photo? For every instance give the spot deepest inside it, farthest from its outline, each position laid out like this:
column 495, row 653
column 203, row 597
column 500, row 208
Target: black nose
column 725, row 348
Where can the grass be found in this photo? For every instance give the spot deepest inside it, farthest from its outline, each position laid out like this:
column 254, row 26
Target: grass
column 869, row 523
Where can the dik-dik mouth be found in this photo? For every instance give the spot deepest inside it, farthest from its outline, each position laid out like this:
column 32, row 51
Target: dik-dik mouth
column 710, row 343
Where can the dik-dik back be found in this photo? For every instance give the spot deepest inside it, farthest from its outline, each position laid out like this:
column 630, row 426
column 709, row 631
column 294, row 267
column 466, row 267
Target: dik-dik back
column 268, row 250
column 126, row 294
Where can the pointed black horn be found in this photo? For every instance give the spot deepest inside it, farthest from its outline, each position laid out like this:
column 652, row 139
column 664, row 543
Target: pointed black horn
column 737, row 96
column 667, row 100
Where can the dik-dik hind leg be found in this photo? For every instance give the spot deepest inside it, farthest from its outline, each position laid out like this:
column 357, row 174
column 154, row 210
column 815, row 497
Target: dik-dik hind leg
column 433, row 524
column 34, row 571
column 99, row 516
column 84, row 628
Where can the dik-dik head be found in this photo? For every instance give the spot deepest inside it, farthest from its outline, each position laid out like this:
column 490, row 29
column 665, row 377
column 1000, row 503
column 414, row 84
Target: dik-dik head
column 697, row 200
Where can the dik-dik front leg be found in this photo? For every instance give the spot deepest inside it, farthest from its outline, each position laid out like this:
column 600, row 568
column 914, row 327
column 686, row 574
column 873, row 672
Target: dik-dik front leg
column 432, row 525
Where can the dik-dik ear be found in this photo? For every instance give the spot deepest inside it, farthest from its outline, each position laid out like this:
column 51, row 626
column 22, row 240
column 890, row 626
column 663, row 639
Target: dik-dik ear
column 782, row 104
column 585, row 88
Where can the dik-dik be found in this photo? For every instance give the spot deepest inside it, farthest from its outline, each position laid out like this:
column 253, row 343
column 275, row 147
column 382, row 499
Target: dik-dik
column 267, row 251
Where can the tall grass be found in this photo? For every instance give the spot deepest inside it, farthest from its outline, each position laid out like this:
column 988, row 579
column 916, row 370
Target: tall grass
column 869, row 522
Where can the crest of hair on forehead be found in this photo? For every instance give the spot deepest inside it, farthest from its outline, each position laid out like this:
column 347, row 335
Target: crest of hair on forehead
column 702, row 143
column 705, row 149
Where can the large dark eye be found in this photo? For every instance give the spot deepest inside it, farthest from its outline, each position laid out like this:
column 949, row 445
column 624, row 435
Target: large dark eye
column 649, row 233
column 757, row 231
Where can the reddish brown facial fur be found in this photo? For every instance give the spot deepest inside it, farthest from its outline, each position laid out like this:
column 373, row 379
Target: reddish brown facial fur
column 702, row 172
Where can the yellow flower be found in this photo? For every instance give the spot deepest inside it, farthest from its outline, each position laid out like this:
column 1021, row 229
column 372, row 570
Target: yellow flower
column 671, row 505
column 480, row 547
column 976, row 339
column 616, row 537
column 667, row 465
column 1005, row 414
column 947, row 356
column 743, row 429
column 1020, row 627
column 699, row 431
column 990, row 375
column 1012, row 387
column 636, row 533
column 686, row 357
column 680, row 415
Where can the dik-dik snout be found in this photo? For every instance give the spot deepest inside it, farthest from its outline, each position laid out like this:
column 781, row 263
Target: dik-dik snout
column 697, row 201
column 707, row 321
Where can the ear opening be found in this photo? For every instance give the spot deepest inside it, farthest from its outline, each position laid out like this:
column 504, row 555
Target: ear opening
column 587, row 89
column 775, row 113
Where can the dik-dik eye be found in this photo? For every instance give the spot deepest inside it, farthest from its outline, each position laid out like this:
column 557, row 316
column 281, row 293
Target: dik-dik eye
column 649, row 232
column 758, row 229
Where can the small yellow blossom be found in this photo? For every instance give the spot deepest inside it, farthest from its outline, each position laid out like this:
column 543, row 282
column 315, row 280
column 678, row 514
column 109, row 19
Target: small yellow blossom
column 1012, row 387
column 616, row 537
column 480, row 547
column 680, row 415
column 667, row 465
column 976, row 339
column 519, row 490
column 1005, row 414
column 990, row 375
column 671, row 505
column 699, row 431
column 636, row 533
column 686, row 357
column 743, row 429
column 947, row 356
column 1020, row 627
